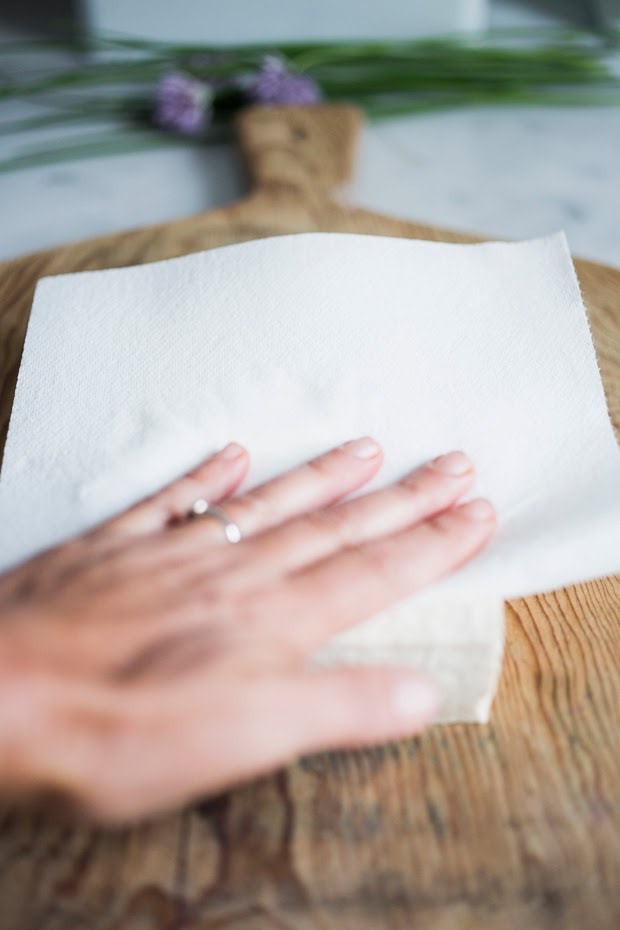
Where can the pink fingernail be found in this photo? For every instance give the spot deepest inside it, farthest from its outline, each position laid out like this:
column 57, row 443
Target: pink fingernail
column 479, row 510
column 365, row 448
column 232, row 451
column 452, row 463
column 416, row 697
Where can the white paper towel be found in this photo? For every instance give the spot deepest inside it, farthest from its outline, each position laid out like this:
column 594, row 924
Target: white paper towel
column 293, row 344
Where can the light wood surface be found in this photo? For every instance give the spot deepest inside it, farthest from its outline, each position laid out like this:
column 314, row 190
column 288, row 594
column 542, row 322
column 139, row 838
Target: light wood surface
column 510, row 826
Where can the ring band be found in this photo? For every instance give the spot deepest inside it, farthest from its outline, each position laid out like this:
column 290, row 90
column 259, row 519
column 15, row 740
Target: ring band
column 202, row 508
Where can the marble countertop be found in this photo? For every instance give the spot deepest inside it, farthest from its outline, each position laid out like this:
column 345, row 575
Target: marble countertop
column 504, row 172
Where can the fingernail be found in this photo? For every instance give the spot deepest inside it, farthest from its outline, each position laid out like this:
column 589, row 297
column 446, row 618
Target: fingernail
column 416, row 697
column 365, row 448
column 452, row 463
column 232, row 451
column 479, row 510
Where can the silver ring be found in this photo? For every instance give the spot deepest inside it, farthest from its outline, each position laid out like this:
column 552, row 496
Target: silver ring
column 202, row 508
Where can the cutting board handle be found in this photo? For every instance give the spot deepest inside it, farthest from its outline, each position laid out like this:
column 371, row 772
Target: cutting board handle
column 304, row 151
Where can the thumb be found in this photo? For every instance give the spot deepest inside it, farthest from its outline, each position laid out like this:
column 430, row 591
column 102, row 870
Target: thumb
column 344, row 706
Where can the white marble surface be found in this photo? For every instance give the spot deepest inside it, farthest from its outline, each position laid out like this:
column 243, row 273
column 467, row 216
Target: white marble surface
column 506, row 173
column 513, row 172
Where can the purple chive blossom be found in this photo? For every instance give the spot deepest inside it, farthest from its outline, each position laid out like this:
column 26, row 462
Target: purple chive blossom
column 183, row 104
column 275, row 84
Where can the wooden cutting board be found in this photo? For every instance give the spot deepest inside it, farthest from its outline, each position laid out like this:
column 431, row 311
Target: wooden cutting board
column 510, row 825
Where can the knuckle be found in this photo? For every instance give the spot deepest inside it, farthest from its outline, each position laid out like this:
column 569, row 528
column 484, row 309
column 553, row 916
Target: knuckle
column 330, row 523
column 410, row 494
column 376, row 558
column 421, row 480
column 251, row 510
column 199, row 472
column 445, row 527
column 452, row 539
column 427, row 492
column 323, row 466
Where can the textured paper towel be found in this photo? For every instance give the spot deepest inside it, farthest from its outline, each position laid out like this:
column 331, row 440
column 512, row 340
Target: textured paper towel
column 291, row 345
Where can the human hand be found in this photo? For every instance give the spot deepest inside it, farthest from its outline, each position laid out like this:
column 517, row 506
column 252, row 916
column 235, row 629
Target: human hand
column 150, row 661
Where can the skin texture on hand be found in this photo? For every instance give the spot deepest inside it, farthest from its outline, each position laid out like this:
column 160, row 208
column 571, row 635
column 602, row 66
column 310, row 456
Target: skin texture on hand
column 150, row 661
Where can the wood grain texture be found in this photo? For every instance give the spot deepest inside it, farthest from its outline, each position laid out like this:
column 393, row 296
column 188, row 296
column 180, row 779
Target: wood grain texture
column 510, row 825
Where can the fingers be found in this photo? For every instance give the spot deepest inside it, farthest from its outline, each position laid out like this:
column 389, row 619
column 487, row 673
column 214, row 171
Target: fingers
column 421, row 494
column 214, row 479
column 362, row 580
column 171, row 745
column 315, row 484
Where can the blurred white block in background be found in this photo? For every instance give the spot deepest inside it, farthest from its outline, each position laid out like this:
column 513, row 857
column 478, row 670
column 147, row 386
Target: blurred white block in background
column 501, row 171
column 236, row 21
